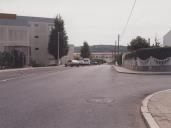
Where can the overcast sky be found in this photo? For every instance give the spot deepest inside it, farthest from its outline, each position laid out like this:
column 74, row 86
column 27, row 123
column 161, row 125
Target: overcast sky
column 99, row 21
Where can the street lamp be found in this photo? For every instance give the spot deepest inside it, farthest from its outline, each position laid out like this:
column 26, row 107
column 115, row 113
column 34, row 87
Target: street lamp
column 118, row 49
column 58, row 47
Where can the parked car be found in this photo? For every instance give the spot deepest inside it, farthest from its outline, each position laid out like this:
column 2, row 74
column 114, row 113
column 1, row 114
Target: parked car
column 72, row 63
column 94, row 63
column 86, row 61
column 81, row 62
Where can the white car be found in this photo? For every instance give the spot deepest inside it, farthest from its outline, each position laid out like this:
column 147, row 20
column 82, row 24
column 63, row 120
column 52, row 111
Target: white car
column 86, row 61
column 72, row 63
column 81, row 62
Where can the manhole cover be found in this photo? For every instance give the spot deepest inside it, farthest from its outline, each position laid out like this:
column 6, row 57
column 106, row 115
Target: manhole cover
column 101, row 100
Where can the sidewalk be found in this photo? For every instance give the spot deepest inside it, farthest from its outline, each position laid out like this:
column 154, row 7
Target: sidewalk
column 128, row 71
column 156, row 109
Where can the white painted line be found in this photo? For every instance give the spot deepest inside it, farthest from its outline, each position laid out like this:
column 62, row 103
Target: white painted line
column 5, row 80
column 12, row 70
column 14, row 78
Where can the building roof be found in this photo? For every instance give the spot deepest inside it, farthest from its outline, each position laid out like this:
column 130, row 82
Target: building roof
column 14, row 22
column 35, row 19
column 22, row 20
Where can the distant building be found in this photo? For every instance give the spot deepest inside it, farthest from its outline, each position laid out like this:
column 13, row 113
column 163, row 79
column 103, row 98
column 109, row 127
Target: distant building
column 107, row 56
column 167, row 39
column 29, row 35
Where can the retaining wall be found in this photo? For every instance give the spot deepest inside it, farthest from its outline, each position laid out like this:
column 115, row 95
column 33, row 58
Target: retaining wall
column 150, row 64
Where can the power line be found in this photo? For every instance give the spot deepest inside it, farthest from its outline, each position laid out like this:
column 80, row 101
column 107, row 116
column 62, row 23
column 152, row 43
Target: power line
column 129, row 17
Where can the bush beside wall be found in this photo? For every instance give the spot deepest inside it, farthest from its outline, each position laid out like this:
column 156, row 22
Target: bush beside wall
column 159, row 53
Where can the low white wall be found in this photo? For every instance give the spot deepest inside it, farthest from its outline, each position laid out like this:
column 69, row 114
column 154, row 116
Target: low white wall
column 148, row 64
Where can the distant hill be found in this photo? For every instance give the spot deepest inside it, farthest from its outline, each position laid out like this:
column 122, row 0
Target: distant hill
column 102, row 48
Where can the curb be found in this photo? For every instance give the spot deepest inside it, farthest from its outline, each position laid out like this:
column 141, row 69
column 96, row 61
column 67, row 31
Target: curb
column 141, row 73
column 147, row 116
column 29, row 68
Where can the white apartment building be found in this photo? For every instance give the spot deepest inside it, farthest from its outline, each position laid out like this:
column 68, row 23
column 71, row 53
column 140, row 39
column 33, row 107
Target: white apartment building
column 29, row 35
column 167, row 39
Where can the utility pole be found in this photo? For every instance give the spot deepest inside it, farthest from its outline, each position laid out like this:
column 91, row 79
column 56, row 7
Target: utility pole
column 149, row 41
column 118, row 42
column 115, row 50
column 118, row 48
column 58, row 48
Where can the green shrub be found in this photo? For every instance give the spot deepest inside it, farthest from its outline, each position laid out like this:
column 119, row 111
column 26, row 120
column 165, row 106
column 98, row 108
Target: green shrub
column 14, row 59
column 145, row 53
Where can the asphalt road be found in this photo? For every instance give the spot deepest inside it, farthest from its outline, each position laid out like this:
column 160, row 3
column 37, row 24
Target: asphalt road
column 84, row 97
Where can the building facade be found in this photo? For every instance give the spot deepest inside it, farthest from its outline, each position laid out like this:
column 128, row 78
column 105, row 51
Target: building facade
column 30, row 35
column 14, row 35
column 167, row 39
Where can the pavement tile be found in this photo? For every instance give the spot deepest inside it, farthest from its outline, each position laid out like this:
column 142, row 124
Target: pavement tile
column 160, row 108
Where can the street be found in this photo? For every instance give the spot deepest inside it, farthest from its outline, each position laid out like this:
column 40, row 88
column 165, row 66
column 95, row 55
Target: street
column 78, row 97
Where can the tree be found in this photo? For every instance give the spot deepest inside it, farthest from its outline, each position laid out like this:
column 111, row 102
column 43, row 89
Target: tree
column 13, row 59
column 58, row 31
column 85, row 50
column 7, row 59
column 157, row 43
column 138, row 43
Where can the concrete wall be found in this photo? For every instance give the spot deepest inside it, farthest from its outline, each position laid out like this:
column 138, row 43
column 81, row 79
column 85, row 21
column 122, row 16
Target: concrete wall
column 150, row 64
column 39, row 38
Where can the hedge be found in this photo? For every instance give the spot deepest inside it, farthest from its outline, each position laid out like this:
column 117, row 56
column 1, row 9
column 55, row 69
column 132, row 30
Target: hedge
column 145, row 53
column 15, row 59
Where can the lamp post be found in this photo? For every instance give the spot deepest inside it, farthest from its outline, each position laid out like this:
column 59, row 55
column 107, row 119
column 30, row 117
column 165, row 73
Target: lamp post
column 115, row 52
column 118, row 42
column 58, row 48
column 118, row 49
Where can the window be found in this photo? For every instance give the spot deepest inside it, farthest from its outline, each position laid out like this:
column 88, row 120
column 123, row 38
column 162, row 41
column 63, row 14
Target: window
column 36, row 36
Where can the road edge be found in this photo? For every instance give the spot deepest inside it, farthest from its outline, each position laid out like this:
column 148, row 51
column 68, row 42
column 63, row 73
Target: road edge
column 147, row 116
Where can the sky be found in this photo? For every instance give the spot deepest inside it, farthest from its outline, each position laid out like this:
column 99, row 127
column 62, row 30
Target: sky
column 100, row 21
